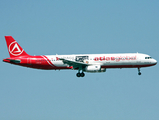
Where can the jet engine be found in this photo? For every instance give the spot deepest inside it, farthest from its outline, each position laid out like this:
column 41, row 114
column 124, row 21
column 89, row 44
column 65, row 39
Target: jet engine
column 94, row 68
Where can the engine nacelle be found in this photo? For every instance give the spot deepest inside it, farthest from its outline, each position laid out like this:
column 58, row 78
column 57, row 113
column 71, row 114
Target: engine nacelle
column 94, row 68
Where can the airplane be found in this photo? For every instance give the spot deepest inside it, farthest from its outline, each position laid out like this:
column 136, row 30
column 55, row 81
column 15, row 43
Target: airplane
column 93, row 63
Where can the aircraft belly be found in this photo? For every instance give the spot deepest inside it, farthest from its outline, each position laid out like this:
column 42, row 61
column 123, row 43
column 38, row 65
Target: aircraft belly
column 59, row 64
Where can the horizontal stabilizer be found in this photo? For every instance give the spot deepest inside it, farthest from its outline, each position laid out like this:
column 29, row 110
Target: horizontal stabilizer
column 12, row 61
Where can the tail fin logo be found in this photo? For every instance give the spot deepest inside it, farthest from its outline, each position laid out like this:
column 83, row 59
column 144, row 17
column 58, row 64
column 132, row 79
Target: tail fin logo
column 15, row 49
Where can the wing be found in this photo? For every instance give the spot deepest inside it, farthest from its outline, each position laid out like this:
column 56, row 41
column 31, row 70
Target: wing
column 75, row 65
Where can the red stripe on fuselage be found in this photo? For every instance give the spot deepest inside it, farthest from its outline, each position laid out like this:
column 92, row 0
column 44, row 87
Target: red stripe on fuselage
column 48, row 61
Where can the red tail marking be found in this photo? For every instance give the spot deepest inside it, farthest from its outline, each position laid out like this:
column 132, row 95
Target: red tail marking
column 14, row 49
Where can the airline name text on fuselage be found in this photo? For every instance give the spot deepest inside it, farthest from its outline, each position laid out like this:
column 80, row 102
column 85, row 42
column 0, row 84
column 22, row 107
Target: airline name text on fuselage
column 115, row 58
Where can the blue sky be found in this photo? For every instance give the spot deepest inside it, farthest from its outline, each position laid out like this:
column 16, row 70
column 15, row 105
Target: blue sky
column 79, row 27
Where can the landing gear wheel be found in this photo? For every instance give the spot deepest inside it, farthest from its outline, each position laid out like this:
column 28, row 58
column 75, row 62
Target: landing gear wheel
column 78, row 74
column 139, row 73
column 82, row 74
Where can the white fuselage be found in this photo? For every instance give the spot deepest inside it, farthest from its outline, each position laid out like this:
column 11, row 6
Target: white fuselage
column 106, row 60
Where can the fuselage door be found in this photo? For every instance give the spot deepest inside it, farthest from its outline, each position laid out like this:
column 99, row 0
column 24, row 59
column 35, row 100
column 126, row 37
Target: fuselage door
column 139, row 59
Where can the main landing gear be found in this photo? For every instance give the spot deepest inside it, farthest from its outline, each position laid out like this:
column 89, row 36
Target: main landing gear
column 139, row 73
column 80, row 74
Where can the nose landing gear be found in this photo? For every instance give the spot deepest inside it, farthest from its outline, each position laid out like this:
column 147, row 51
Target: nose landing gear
column 139, row 73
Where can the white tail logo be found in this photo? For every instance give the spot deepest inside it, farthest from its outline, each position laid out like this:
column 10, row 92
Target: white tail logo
column 14, row 49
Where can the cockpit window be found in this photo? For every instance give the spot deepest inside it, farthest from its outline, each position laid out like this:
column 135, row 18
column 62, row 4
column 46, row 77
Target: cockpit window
column 148, row 57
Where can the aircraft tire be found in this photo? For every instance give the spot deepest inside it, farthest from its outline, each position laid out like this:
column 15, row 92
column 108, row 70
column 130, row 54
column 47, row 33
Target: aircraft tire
column 78, row 74
column 82, row 74
column 139, row 73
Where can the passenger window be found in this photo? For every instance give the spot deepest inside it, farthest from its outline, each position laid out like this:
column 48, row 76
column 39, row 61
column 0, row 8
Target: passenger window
column 148, row 57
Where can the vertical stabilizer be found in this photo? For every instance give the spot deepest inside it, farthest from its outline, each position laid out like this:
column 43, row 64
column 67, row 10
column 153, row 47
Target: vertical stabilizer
column 14, row 49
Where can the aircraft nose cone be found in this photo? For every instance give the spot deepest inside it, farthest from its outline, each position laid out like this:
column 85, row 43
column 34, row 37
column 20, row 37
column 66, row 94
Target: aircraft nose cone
column 154, row 61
